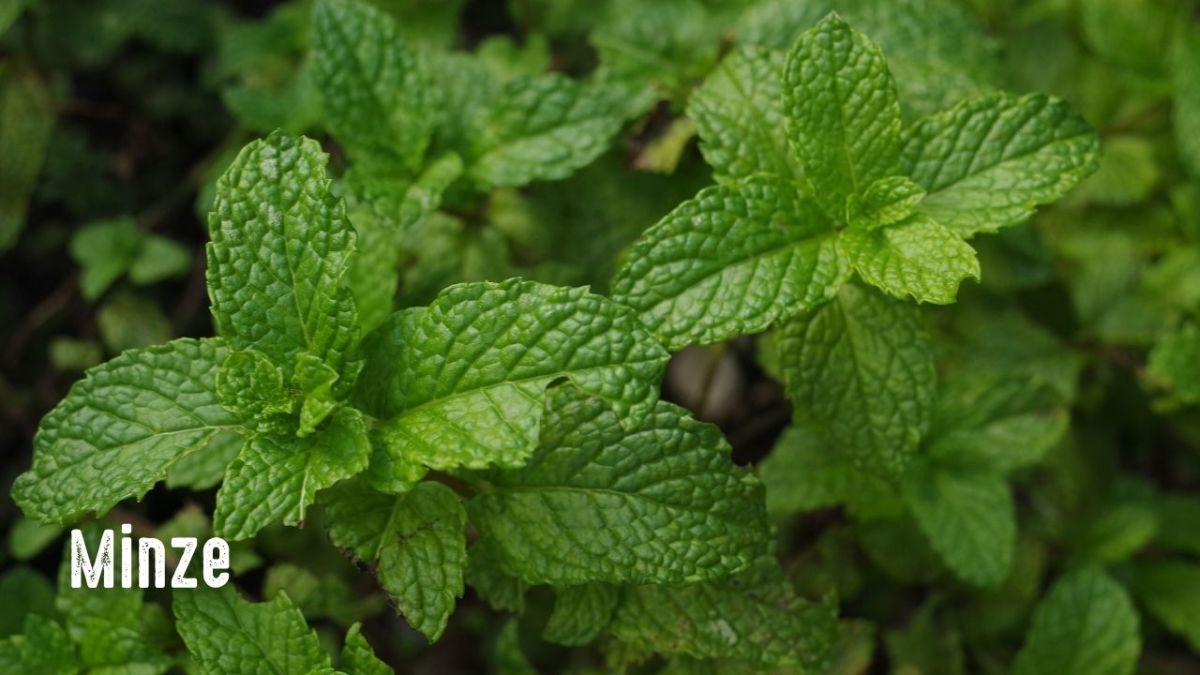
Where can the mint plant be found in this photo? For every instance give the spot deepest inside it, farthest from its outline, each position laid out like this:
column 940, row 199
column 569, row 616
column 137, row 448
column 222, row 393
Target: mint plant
column 506, row 374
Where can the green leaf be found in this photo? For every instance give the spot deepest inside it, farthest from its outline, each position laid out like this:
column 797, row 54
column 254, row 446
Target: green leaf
column 43, row 648
column 968, row 517
column 104, row 250
column 251, row 386
column 1086, row 625
column 280, row 245
column 655, row 500
column 358, row 658
column 417, row 539
column 121, row 428
column 843, row 116
column 1187, row 102
column 543, row 128
column 379, row 98
column 581, row 613
column 885, row 202
column 754, row 616
column 731, row 261
column 227, row 634
column 27, row 538
column 501, row 590
column 860, row 368
column 996, row 420
column 26, row 119
column 460, row 382
column 738, row 113
column 1175, row 362
column 988, row 161
column 276, row 476
column 918, row 257
column 25, row 593
column 1170, row 592
column 159, row 258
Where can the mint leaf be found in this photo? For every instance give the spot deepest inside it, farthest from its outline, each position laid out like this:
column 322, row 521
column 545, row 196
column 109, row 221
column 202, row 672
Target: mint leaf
column 460, row 382
column 227, row 634
column 358, row 658
column 122, row 427
column 755, row 616
column 843, row 116
column 104, row 250
column 739, row 115
column 379, row 98
column 1175, row 362
column 250, row 386
column 917, row 257
column 732, row 260
column 654, row 500
column 26, row 119
column 1085, row 625
column 43, row 648
column 968, row 517
column 988, row 161
column 885, row 202
column 1170, row 592
column 417, row 540
column 280, row 245
column 501, row 590
column 581, row 613
column 860, row 369
column 542, row 128
column 276, row 475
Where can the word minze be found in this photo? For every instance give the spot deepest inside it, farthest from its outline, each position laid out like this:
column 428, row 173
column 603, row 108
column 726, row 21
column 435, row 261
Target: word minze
column 98, row 570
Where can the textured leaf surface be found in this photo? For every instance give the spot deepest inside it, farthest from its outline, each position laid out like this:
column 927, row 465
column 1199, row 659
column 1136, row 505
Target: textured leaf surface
column 605, row 499
column 1086, row 625
column 968, row 517
column 987, row 162
column 918, row 258
column 731, row 261
column 860, row 368
column 738, row 113
column 26, row 119
column 226, row 634
column 122, row 427
column 581, row 613
column 843, row 116
column 418, row 540
column 543, row 128
column 279, row 246
column 1170, row 591
column 276, row 476
column 43, row 648
column 885, row 202
column 461, row 382
column 358, row 658
column 378, row 97
column 754, row 616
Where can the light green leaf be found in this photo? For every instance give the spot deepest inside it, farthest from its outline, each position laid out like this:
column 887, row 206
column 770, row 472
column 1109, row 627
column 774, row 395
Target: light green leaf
column 159, row 258
column 860, row 369
column 43, row 648
column 968, row 517
column 755, row 616
column 104, row 251
column 276, row 476
column 121, row 428
column 580, row 613
column 738, row 113
column 26, row 119
column 280, row 245
column 226, row 634
column 1170, row 592
column 918, row 258
column 313, row 380
column 379, row 98
column 1086, row 625
column 885, row 202
column 358, row 658
column 417, row 540
column 251, row 386
column 731, row 261
column 843, row 116
column 988, row 161
column 655, row 500
column 543, row 128
column 1175, row 362
column 460, row 383
column 27, row 538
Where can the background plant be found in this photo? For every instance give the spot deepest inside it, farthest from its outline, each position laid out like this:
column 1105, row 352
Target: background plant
column 970, row 421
